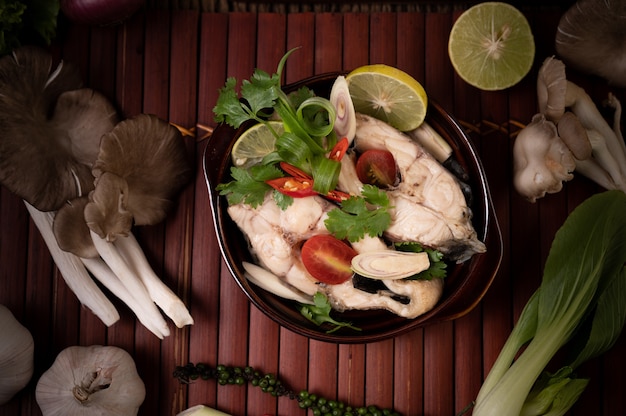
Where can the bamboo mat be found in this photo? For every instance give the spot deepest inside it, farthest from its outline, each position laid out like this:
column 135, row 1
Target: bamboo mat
column 171, row 63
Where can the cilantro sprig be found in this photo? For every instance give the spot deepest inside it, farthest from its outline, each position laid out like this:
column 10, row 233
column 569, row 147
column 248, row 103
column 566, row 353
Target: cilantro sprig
column 360, row 216
column 319, row 313
column 438, row 267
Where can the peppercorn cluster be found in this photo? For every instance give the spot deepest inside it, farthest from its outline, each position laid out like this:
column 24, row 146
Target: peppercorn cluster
column 269, row 383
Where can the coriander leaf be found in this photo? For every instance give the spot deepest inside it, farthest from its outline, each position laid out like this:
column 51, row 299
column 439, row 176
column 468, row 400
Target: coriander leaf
column 228, row 108
column 259, row 93
column 438, row 266
column 296, row 98
column 249, row 185
column 354, row 220
column 283, row 201
column 319, row 313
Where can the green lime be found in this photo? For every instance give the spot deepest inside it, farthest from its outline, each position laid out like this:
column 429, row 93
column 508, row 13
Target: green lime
column 491, row 46
column 389, row 94
column 255, row 143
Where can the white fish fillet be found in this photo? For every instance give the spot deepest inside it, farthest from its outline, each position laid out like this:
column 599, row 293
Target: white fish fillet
column 274, row 235
column 429, row 206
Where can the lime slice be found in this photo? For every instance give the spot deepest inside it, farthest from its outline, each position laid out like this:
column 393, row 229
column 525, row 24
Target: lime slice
column 388, row 94
column 491, row 46
column 255, row 143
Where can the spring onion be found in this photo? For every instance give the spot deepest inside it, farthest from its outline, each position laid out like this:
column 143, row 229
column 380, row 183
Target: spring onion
column 574, row 305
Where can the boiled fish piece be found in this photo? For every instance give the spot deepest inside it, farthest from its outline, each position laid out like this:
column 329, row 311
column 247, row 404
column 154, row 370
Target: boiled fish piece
column 274, row 235
column 428, row 204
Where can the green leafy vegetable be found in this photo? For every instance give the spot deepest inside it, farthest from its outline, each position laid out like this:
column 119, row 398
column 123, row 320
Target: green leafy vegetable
column 355, row 219
column 32, row 22
column 248, row 185
column 437, row 267
column 319, row 313
column 586, row 262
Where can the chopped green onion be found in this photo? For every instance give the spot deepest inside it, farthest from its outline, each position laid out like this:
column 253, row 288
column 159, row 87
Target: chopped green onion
column 317, row 116
column 325, row 174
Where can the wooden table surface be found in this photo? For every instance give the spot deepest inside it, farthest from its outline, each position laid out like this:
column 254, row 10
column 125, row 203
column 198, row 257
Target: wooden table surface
column 171, row 63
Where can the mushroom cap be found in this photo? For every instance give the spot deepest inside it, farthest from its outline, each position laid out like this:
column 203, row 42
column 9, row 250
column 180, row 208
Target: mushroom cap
column 542, row 162
column 49, row 129
column 71, row 231
column 142, row 164
column 574, row 136
column 552, row 88
column 591, row 37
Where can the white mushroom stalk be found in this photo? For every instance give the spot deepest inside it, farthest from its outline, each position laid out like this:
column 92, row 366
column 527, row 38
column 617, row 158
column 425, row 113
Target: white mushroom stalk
column 162, row 295
column 73, row 270
column 150, row 318
column 577, row 129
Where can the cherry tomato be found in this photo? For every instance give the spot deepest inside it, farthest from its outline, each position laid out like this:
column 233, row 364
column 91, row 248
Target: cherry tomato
column 293, row 186
column 377, row 167
column 327, row 259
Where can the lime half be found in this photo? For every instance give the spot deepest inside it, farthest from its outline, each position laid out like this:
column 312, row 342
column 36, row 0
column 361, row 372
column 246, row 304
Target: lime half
column 389, row 94
column 255, row 143
column 491, row 46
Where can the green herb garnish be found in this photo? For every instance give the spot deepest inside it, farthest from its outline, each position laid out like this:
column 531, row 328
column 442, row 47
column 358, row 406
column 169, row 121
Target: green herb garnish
column 319, row 313
column 360, row 216
column 437, row 267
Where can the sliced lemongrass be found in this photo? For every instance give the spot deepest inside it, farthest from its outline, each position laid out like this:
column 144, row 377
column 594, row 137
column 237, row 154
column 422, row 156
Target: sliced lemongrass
column 272, row 283
column 389, row 264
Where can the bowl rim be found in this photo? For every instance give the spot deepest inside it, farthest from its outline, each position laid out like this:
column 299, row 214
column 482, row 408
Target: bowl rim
column 453, row 306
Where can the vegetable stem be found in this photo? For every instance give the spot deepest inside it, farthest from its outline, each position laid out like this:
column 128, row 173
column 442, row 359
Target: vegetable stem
column 73, row 271
column 154, row 322
column 159, row 292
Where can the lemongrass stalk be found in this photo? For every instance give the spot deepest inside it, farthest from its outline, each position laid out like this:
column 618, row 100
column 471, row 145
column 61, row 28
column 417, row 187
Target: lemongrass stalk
column 272, row 283
column 130, row 250
column 73, row 271
column 154, row 322
column 124, row 273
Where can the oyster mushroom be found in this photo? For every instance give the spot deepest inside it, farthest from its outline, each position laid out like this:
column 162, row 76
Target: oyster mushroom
column 141, row 166
column 541, row 161
column 50, row 129
column 591, row 37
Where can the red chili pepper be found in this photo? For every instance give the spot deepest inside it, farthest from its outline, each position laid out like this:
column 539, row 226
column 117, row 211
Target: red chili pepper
column 338, row 196
column 294, row 171
column 339, row 150
column 293, row 186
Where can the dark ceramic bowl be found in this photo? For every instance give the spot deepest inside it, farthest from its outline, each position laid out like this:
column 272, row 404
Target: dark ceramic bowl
column 465, row 284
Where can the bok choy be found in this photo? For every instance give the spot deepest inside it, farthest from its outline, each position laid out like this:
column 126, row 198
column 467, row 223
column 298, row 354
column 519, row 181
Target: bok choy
column 580, row 302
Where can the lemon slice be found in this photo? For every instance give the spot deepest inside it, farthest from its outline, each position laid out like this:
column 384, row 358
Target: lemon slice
column 255, row 143
column 389, row 94
column 491, row 46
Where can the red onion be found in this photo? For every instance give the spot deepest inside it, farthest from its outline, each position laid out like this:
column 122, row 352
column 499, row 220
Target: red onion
column 100, row 12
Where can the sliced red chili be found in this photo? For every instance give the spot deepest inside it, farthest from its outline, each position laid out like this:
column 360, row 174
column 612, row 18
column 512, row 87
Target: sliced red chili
column 338, row 196
column 294, row 171
column 293, row 186
column 339, row 150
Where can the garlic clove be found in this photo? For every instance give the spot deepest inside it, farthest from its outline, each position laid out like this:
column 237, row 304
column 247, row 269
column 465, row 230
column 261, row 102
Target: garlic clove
column 94, row 380
column 201, row 410
column 17, row 350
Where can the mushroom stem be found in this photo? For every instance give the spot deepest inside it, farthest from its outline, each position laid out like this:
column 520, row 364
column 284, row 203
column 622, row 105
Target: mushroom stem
column 133, row 284
column 608, row 149
column 159, row 292
column 154, row 322
column 73, row 270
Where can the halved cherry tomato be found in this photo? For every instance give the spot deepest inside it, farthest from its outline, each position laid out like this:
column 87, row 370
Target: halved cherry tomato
column 377, row 167
column 327, row 259
column 339, row 150
column 292, row 186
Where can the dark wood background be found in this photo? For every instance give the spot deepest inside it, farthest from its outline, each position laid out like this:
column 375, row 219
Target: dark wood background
column 171, row 62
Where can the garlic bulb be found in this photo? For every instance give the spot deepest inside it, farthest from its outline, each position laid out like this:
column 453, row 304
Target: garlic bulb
column 94, row 380
column 17, row 350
